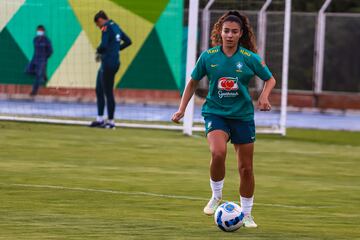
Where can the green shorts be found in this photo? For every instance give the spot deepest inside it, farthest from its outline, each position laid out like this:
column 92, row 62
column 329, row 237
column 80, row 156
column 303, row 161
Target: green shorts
column 240, row 132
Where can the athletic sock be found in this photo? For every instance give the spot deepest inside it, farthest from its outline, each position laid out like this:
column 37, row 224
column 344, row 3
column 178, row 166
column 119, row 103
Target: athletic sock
column 247, row 204
column 111, row 121
column 100, row 118
column 216, row 188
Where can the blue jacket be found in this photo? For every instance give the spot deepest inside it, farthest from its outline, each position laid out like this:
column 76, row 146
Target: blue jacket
column 113, row 40
column 42, row 51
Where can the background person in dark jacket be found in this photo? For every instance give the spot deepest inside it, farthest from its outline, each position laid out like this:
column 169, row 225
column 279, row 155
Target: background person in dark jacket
column 37, row 65
column 113, row 40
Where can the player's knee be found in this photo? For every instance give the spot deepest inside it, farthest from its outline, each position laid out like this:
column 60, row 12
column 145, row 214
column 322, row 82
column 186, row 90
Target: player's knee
column 110, row 95
column 218, row 155
column 110, row 100
column 245, row 171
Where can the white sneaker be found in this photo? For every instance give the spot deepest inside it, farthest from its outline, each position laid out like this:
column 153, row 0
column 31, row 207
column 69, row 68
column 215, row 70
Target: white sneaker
column 211, row 206
column 249, row 222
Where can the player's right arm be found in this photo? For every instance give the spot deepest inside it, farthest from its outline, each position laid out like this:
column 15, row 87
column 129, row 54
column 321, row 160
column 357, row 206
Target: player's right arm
column 198, row 73
column 188, row 93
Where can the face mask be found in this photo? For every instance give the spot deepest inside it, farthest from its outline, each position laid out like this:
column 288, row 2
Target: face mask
column 40, row 33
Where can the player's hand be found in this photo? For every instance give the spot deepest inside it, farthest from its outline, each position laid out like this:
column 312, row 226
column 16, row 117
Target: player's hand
column 177, row 116
column 97, row 57
column 263, row 104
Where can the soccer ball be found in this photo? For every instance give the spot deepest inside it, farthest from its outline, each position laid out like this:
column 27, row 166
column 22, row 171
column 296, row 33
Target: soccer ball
column 229, row 217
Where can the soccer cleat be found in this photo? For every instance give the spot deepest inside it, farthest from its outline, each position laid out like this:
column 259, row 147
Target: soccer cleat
column 97, row 124
column 249, row 222
column 109, row 125
column 211, row 206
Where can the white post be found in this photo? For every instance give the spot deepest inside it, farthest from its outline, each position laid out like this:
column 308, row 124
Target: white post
column 190, row 60
column 261, row 38
column 206, row 26
column 320, row 47
column 285, row 67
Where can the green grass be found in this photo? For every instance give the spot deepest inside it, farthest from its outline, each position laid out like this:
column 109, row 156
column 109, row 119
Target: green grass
column 307, row 184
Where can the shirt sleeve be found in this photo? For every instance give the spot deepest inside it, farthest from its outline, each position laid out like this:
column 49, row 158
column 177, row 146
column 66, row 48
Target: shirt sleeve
column 125, row 40
column 200, row 68
column 259, row 67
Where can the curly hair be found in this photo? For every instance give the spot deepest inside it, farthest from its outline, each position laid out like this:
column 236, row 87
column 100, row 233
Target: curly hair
column 247, row 39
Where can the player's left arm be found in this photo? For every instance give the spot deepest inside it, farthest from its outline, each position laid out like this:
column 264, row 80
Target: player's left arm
column 263, row 72
column 125, row 41
column 49, row 48
column 263, row 102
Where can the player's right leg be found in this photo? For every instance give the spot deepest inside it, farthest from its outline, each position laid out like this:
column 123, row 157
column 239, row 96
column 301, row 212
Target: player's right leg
column 217, row 136
column 108, row 83
column 100, row 101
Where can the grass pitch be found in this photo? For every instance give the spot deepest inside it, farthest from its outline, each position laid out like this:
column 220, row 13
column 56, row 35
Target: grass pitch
column 68, row 182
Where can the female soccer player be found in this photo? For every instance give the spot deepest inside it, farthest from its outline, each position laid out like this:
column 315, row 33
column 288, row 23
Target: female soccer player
column 228, row 109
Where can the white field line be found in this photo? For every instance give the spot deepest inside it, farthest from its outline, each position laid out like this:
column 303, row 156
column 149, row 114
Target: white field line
column 150, row 195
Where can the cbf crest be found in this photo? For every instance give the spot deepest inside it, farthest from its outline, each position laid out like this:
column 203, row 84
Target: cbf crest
column 239, row 66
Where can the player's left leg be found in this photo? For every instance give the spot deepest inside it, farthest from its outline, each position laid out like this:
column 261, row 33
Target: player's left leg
column 244, row 154
column 243, row 137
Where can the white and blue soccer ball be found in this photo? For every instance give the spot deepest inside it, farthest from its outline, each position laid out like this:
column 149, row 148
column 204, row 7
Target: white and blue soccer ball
column 229, row 217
